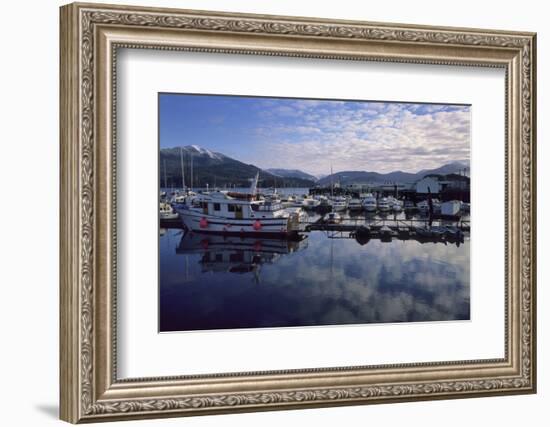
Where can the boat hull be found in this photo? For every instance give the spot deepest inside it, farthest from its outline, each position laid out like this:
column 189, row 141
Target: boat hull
column 208, row 224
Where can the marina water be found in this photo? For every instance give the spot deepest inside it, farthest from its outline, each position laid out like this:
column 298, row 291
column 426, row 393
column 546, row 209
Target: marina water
column 215, row 282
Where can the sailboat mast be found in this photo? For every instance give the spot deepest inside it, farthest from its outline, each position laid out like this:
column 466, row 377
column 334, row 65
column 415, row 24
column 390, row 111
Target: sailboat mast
column 182, row 171
column 164, row 162
column 191, row 172
column 331, row 182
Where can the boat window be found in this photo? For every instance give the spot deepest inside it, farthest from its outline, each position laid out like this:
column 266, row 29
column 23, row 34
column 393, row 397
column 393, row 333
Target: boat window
column 230, row 207
column 216, row 206
column 238, row 208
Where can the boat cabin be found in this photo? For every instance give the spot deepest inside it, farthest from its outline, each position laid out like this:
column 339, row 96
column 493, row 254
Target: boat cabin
column 222, row 205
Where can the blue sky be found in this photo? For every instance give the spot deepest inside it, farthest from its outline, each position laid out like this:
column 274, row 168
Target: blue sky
column 312, row 135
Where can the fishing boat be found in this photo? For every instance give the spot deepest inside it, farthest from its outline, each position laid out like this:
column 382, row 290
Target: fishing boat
column 167, row 212
column 383, row 204
column 183, row 198
column 396, row 205
column 232, row 213
column 309, row 203
column 339, row 203
column 290, row 201
column 369, row 203
column 355, row 205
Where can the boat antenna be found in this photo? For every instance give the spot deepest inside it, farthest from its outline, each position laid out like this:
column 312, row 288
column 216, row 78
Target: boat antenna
column 254, row 184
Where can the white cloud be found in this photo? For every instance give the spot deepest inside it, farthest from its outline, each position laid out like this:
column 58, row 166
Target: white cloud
column 380, row 137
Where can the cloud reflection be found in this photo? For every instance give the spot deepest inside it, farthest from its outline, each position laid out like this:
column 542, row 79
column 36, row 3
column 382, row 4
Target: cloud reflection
column 330, row 282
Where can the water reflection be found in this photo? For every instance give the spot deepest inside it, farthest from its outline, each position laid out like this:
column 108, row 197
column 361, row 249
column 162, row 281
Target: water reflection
column 235, row 254
column 211, row 282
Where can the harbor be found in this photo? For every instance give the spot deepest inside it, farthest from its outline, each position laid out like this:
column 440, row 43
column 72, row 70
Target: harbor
column 365, row 259
column 434, row 206
column 295, row 212
column 293, row 216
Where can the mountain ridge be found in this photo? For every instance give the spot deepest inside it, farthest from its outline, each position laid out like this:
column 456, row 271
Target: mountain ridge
column 216, row 169
column 365, row 177
column 291, row 173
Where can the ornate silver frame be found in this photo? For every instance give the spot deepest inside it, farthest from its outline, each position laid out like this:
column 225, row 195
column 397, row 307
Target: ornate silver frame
column 90, row 36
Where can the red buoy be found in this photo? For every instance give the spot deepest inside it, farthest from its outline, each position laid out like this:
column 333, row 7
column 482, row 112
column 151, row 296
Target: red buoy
column 203, row 223
column 257, row 225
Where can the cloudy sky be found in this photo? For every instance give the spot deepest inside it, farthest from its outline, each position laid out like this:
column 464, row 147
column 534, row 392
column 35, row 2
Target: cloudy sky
column 312, row 135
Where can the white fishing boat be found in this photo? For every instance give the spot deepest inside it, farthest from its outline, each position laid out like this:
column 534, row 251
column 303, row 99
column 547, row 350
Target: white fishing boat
column 271, row 195
column 167, row 212
column 309, row 203
column 295, row 201
column 288, row 201
column 233, row 213
column 355, row 204
column 383, row 204
column 369, row 203
column 339, row 203
column 396, row 205
column 183, row 197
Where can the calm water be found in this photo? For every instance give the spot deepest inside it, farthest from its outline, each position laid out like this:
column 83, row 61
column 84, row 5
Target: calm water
column 211, row 282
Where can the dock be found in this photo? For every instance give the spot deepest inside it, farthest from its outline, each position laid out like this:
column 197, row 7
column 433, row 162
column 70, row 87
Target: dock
column 422, row 230
column 171, row 223
column 363, row 229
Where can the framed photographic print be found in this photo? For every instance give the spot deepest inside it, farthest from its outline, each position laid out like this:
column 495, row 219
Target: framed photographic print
column 265, row 212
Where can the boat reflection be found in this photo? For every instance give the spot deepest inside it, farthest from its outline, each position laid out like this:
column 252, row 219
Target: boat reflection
column 222, row 254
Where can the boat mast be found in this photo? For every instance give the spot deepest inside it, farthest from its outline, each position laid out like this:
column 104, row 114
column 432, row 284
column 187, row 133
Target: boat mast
column 164, row 162
column 331, row 183
column 182, row 171
column 191, row 184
